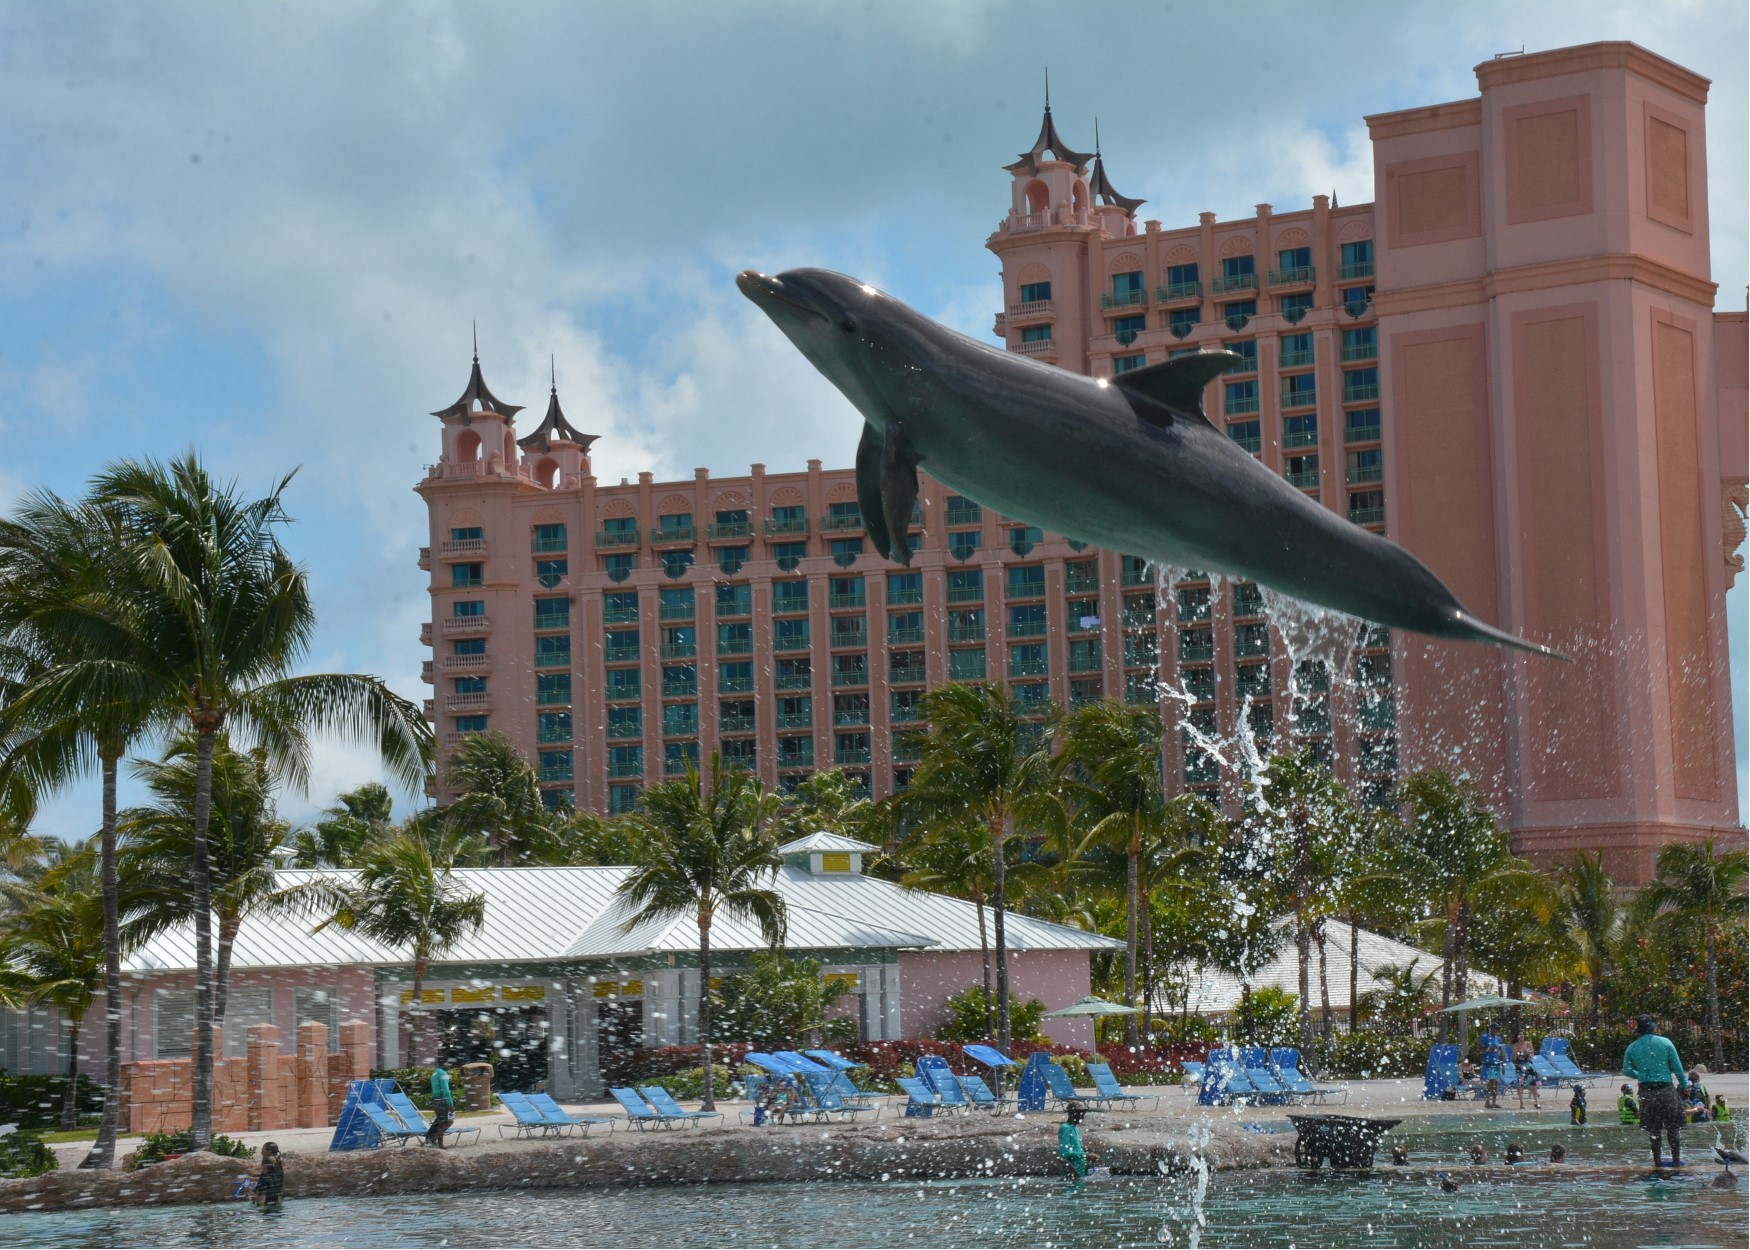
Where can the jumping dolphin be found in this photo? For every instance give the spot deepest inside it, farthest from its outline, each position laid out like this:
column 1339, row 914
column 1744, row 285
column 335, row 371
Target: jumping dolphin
column 1128, row 463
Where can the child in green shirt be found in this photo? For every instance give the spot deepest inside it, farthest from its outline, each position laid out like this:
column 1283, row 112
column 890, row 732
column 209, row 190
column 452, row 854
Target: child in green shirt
column 1070, row 1147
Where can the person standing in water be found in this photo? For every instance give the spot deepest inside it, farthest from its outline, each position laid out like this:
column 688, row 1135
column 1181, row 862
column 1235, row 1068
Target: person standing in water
column 1652, row 1061
column 270, row 1182
column 1070, row 1147
column 443, row 1107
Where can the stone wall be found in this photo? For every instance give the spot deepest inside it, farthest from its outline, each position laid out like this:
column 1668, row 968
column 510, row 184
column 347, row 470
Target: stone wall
column 260, row 1090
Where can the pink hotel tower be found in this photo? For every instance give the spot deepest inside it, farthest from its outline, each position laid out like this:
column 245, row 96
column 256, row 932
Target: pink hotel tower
column 1509, row 362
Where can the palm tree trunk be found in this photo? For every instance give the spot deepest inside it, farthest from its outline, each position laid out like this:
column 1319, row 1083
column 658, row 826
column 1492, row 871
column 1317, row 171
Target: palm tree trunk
column 1303, row 950
column 710, row 1103
column 228, row 926
column 416, row 1009
column 201, row 874
column 1324, row 991
column 1446, row 978
column 1713, row 993
column 999, row 906
column 1132, row 854
column 70, row 1096
column 102, row 1153
column 984, row 949
column 1461, row 971
column 1354, row 967
column 1148, row 968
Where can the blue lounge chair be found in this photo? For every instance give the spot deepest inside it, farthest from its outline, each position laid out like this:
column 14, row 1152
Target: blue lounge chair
column 1555, row 1049
column 921, row 1100
column 1285, row 1061
column 666, row 1107
column 1193, row 1078
column 639, row 1113
column 560, row 1118
column 1111, row 1091
column 933, row 1071
column 842, row 1084
column 390, row 1126
column 1442, row 1074
column 827, row 1099
column 1265, row 1085
column 1545, row 1070
column 981, row 1095
column 410, row 1115
column 527, row 1122
column 1224, row 1080
column 1061, row 1090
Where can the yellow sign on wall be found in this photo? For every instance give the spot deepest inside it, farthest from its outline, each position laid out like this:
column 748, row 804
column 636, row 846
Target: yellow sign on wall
column 522, row 993
column 619, row 989
column 835, row 861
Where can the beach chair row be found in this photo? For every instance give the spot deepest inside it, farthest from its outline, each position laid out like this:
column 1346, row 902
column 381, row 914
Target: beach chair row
column 398, row 1120
column 815, row 1086
column 1254, row 1074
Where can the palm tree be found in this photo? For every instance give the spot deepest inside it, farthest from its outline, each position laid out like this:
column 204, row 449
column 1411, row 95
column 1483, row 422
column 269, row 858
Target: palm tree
column 1113, row 754
column 1404, row 999
column 708, row 853
column 52, row 953
column 987, row 757
column 500, row 798
column 77, row 687
column 406, row 895
column 954, row 857
column 1593, row 919
column 225, row 616
column 1695, row 889
column 358, row 818
column 244, row 838
column 1452, row 848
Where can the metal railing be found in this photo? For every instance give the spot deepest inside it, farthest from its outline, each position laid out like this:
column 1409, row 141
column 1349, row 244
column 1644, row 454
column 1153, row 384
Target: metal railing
column 1300, row 275
column 1295, row 359
column 793, row 681
column 965, row 516
column 1360, row 392
column 1125, row 299
column 735, row 646
column 795, row 720
column 836, row 524
column 729, row 529
column 776, row 526
column 905, row 596
column 1360, row 269
column 1303, row 478
column 1176, row 291
column 906, row 634
column 673, row 535
column 1238, row 282
column 1367, row 516
column 1365, row 473
column 1239, row 405
column 1300, row 438
column 679, row 650
column 966, row 594
column 855, row 678
column 791, row 643
column 616, row 538
column 736, row 725
column 1361, row 351
column 1026, row 629
column 1300, row 398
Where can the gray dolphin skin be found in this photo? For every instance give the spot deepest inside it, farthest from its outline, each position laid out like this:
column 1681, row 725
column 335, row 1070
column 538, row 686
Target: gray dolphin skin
column 1128, row 463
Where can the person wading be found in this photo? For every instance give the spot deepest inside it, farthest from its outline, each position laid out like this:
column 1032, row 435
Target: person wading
column 1652, row 1060
column 443, row 1107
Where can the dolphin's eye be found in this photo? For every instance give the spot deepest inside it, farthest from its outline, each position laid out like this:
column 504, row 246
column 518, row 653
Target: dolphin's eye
column 849, row 325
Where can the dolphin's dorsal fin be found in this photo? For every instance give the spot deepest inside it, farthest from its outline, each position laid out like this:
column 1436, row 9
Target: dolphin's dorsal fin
column 1177, row 384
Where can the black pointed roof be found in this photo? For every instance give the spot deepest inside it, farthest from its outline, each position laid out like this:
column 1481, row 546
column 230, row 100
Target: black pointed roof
column 478, row 393
column 1102, row 186
column 1048, row 141
column 554, row 428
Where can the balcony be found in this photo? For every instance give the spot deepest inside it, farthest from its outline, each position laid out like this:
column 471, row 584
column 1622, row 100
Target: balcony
column 625, row 768
column 1300, row 438
column 906, row 634
column 849, row 638
column 463, row 663
column 1026, row 629
column 1024, row 590
column 679, row 650
column 1142, row 575
column 425, row 673
column 554, row 659
column 1178, row 291
column 1028, row 668
column 1365, row 473
column 464, row 548
column 905, row 675
column 965, row 516
column 850, row 755
column 966, row 594
column 850, row 716
column 1362, row 433
column 966, row 633
column 1238, row 282
column 855, row 599
column 1300, row 276
column 1360, row 269
column 793, row 681
column 555, row 545
column 1303, row 479
column 839, row 524
column 471, row 699
column 1367, row 516
column 1084, row 663
column 1031, row 310
column 674, row 690
column 1034, row 347
column 798, row 759
column 429, row 708
column 722, row 531
column 734, row 607
column 905, row 596
column 1297, row 359
column 735, row 685
column 736, row 725
column 858, row 677
column 1364, row 393
column 1082, row 584
column 673, row 536
column 1248, row 645
column 616, row 538
column 793, row 642
column 1361, row 351
column 795, row 720
column 1300, row 398
column 553, row 698
column 625, row 653
column 457, row 739
column 620, row 616
column 465, row 625
column 425, row 558
column 1192, row 650
column 907, row 752
column 735, row 646
column 1115, row 300
column 677, row 612
column 1239, row 405
column 781, row 527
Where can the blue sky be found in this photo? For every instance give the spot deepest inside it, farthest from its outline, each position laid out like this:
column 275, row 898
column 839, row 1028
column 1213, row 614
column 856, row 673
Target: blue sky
column 264, row 230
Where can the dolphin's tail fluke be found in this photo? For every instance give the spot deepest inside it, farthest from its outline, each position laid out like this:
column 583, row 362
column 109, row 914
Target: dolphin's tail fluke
column 1470, row 627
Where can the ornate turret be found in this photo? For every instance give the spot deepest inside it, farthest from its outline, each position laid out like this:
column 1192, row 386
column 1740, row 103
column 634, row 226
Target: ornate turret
column 556, row 453
column 478, row 397
column 1048, row 141
column 554, row 428
column 1102, row 186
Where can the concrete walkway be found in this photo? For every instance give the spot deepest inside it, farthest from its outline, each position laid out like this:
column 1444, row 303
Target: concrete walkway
column 1176, row 1110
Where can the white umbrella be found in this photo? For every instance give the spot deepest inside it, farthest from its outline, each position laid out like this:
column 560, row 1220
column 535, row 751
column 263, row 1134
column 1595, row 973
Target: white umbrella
column 1093, row 1007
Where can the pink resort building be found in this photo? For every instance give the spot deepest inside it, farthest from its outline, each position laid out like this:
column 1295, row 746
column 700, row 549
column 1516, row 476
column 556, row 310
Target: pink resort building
column 1509, row 362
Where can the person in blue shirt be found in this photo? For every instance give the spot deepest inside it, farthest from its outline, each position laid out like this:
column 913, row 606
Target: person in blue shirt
column 443, row 1107
column 1070, row 1147
column 1652, row 1060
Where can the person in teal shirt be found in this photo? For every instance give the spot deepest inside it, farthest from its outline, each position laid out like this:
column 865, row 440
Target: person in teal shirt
column 443, row 1107
column 1070, row 1147
column 1652, row 1060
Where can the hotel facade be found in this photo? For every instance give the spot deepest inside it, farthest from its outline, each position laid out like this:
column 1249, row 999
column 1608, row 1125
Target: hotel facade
column 1508, row 362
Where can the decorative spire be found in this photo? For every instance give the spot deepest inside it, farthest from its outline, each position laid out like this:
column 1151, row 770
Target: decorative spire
column 554, row 428
column 1048, row 141
column 478, row 393
column 1102, row 186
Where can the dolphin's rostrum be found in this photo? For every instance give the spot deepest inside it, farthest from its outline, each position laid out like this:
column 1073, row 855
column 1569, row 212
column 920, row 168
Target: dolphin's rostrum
column 1130, row 464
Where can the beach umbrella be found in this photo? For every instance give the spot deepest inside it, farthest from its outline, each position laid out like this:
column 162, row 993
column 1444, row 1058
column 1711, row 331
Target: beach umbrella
column 1093, row 1007
column 1488, row 1002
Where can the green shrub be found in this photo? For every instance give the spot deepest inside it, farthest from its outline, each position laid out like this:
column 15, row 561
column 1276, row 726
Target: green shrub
column 966, row 1021
column 1271, row 1017
column 22, row 1153
column 775, row 1000
column 1367, row 1054
column 1193, row 1030
column 690, row 1082
column 156, row 1147
column 1076, row 1068
column 416, row 1084
column 34, row 1102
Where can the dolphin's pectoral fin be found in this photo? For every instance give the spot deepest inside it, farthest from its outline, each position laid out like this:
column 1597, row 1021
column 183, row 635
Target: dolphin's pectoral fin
column 869, row 469
column 1175, row 384
column 899, row 492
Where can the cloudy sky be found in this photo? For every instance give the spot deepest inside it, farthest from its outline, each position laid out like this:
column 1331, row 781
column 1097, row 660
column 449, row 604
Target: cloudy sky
column 263, row 229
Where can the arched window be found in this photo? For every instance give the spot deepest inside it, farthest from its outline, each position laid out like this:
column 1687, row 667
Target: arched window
column 1038, row 198
column 547, row 473
column 467, row 447
column 1079, row 197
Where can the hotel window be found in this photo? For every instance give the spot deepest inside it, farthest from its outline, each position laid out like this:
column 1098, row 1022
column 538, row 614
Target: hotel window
column 1193, row 604
column 679, row 642
column 1034, row 292
column 673, row 526
column 1300, row 301
column 552, row 688
column 625, row 761
column 1248, row 434
column 1362, row 466
column 1297, row 350
column 1302, row 471
column 621, row 646
column 1357, row 260
column 844, row 516
column 850, row 709
column 553, row 651
column 467, row 574
column 1356, row 299
column 623, row 684
column 677, row 755
column 320, row 1004
column 1036, row 334
column 620, row 607
column 732, row 521
column 626, row 722
column 1181, row 318
column 790, row 634
column 675, row 563
column 850, row 670
column 549, row 573
column 470, row 685
column 795, row 674
column 1247, row 351
column 963, row 543
column 962, row 511
column 1027, row 620
column 849, row 631
column 1026, row 580
column 904, row 588
column 680, row 720
column 553, row 727
column 675, row 603
column 1125, row 364
column 1027, row 660
column 966, row 586
column 1367, row 507
column 905, row 627
column 1023, row 538
column 679, row 681
column 789, row 551
column 966, row 665
column 742, row 753
column 735, row 677
column 905, row 666
column 467, row 534
column 1361, row 343
column 620, row 526
column 554, row 766
column 172, row 1024
column 736, row 638
column 548, row 538
column 1299, row 390
column 1181, row 281
column 846, row 550
column 1084, row 655
column 1239, row 308
column 1240, row 397
column 622, row 800
column 905, row 706
column 795, row 752
column 1361, row 425
column 790, row 514
column 1237, row 266
column 735, row 716
column 617, row 567
column 1124, row 283
column 1360, row 384
column 1301, row 431
column 790, row 596
column 1132, row 325
column 470, row 724
column 468, row 607
column 735, row 600
column 553, row 613
column 468, row 646
column 1291, row 259
column 730, row 559
column 558, row 800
